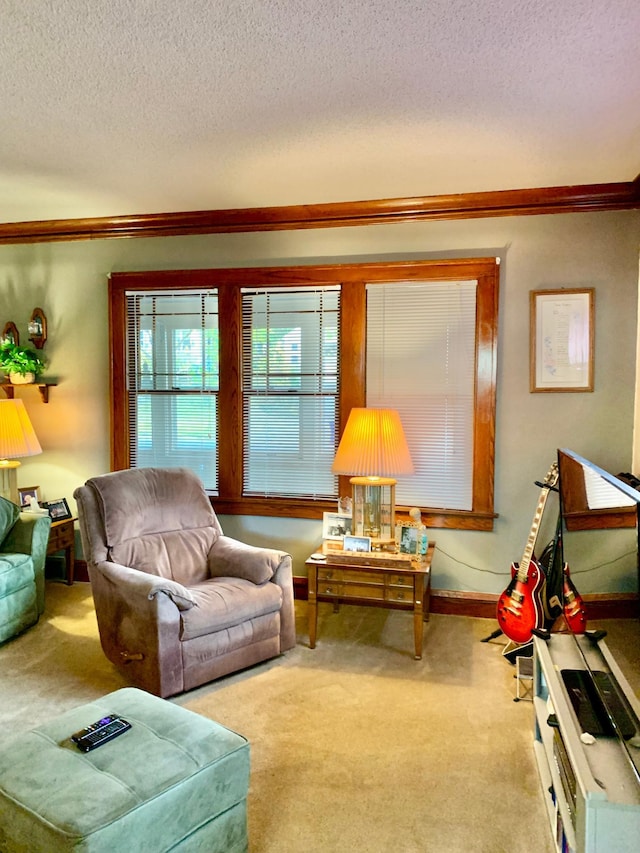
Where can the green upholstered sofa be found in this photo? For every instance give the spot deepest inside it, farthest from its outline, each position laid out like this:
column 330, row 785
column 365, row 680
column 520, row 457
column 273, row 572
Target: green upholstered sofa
column 23, row 549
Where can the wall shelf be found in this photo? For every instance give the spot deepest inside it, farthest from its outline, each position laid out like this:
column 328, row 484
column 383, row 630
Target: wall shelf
column 43, row 388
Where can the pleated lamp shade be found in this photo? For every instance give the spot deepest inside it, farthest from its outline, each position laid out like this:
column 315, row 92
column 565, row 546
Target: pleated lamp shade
column 373, row 444
column 373, row 449
column 17, row 439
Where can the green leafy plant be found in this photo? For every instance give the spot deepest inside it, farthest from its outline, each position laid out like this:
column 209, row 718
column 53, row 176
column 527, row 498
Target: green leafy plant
column 17, row 359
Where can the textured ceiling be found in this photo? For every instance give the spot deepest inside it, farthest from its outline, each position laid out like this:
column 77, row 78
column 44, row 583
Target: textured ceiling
column 111, row 107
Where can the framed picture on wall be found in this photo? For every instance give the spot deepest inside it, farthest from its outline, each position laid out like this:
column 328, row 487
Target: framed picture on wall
column 561, row 340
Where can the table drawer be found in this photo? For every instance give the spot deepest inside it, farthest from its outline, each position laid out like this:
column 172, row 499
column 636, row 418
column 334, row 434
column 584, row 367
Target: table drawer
column 330, row 573
column 373, row 592
column 60, row 537
column 400, row 580
column 399, row 593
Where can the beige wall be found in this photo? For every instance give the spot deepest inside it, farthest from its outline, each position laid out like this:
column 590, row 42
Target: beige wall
column 579, row 250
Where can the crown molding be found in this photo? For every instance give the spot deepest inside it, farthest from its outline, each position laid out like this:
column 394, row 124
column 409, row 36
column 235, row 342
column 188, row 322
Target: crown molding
column 523, row 202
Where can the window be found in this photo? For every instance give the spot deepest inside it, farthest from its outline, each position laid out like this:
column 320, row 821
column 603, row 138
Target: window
column 421, row 362
column 248, row 377
column 290, row 391
column 173, row 377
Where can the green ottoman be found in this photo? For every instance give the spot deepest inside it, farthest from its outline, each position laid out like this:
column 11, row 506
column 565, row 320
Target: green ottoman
column 175, row 781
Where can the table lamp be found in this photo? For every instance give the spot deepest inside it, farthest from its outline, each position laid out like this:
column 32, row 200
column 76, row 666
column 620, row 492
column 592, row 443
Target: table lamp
column 374, row 449
column 17, row 438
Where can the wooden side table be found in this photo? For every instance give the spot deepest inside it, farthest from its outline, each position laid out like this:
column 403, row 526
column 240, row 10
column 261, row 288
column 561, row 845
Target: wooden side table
column 62, row 538
column 383, row 586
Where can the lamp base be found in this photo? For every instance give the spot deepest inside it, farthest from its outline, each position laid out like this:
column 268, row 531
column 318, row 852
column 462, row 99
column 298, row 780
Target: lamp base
column 374, row 507
column 9, row 480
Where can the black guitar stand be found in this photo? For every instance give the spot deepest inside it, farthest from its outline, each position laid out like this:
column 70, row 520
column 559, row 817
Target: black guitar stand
column 492, row 635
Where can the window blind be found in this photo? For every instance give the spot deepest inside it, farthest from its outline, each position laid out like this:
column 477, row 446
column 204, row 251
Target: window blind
column 421, row 362
column 173, row 381
column 290, row 370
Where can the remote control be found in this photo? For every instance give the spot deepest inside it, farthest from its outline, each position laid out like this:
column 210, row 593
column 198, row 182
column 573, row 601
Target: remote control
column 100, row 732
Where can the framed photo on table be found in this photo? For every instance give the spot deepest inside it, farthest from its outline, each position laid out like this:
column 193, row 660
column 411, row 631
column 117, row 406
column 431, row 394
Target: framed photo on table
column 561, row 340
column 58, row 509
column 335, row 525
column 28, row 494
column 357, row 543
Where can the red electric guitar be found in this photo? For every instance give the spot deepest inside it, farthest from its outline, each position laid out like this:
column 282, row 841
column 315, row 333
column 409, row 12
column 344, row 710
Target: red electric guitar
column 573, row 605
column 520, row 607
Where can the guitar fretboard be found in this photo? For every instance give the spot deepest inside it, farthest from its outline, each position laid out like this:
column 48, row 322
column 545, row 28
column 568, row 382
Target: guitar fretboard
column 523, row 568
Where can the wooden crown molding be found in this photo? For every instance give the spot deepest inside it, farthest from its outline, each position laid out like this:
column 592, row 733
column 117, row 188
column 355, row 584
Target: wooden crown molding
column 523, row 202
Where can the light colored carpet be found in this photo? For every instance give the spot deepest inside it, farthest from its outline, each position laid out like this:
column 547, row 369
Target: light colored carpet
column 355, row 745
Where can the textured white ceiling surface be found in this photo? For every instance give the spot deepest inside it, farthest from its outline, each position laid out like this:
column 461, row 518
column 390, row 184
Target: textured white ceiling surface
column 114, row 107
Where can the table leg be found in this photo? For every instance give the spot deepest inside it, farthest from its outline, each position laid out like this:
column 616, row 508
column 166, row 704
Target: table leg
column 312, row 605
column 418, row 616
column 70, row 557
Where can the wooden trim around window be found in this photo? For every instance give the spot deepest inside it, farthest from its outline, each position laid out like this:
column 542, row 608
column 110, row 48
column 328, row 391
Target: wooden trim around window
column 521, row 202
column 352, row 278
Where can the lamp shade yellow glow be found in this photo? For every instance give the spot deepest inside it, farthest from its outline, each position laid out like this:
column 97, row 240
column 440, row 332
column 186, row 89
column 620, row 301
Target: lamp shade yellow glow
column 17, row 439
column 373, row 444
column 17, row 436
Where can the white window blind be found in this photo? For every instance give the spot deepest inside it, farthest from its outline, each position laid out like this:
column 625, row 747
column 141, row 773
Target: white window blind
column 290, row 370
column 173, row 381
column 421, row 361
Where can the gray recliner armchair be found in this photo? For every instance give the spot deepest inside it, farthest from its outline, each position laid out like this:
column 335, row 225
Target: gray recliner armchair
column 178, row 603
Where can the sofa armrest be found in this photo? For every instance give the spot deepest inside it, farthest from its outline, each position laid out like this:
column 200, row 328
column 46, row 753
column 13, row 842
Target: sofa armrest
column 30, row 535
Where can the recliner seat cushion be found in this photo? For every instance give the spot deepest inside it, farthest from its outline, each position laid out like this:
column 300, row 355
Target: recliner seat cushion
column 222, row 603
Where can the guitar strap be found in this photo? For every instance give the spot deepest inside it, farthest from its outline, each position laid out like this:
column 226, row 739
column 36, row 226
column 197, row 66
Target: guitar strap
column 552, row 561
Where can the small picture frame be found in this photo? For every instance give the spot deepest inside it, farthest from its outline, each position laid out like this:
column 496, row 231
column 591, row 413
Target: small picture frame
column 412, row 539
column 335, row 525
column 28, row 494
column 58, row 509
column 357, row 543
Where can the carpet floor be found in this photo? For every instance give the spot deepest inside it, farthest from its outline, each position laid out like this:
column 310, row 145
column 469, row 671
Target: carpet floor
column 355, row 746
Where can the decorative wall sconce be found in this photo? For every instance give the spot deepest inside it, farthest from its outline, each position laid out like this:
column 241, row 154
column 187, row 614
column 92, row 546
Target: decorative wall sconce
column 38, row 328
column 10, row 333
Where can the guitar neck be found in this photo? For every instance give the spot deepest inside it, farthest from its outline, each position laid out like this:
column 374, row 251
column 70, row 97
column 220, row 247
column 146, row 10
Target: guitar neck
column 525, row 562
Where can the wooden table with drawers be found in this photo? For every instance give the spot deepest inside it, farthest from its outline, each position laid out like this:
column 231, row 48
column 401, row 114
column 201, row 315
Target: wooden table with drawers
column 62, row 538
column 362, row 579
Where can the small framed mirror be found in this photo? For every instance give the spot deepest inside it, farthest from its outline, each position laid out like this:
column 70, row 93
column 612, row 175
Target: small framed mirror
column 38, row 328
column 10, row 333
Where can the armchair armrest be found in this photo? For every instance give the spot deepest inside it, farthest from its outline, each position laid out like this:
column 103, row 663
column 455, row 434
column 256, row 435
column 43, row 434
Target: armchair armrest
column 140, row 623
column 143, row 584
column 230, row 558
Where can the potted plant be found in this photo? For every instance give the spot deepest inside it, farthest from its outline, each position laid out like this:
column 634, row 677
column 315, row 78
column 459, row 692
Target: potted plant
column 21, row 364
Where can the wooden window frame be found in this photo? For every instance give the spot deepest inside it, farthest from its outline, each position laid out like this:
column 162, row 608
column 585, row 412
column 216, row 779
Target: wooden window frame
column 352, row 278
